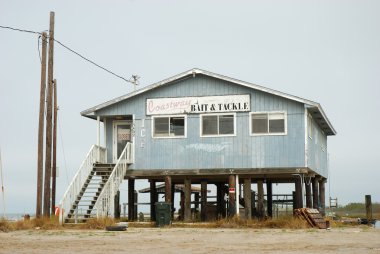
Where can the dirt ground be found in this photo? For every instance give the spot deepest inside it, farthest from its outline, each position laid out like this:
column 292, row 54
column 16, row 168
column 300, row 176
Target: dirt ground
column 193, row 240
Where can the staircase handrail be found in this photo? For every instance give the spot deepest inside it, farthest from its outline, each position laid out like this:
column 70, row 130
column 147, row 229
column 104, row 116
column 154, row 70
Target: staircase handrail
column 104, row 205
column 96, row 154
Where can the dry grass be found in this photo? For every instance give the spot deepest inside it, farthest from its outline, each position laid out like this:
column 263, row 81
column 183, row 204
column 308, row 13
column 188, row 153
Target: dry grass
column 100, row 223
column 36, row 223
column 236, row 222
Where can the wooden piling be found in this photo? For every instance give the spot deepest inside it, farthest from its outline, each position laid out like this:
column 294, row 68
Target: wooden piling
column 309, row 203
column 220, row 202
column 322, row 197
column 153, row 200
column 131, row 199
column 203, row 200
column 260, row 201
column 187, row 207
column 368, row 207
column 298, row 190
column 269, row 199
column 172, row 191
column 315, row 193
column 168, row 189
column 117, row 205
column 247, row 198
column 232, row 196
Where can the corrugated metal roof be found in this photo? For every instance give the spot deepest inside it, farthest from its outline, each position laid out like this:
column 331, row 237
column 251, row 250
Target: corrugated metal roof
column 313, row 107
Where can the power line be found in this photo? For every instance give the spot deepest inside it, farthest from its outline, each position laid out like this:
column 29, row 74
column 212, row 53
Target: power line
column 71, row 50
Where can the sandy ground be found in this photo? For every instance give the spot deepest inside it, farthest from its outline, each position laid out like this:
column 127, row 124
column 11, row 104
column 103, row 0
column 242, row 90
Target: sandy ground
column 193, row 240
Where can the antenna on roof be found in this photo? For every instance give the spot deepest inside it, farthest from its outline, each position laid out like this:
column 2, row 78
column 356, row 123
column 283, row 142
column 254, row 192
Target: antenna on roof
column 135, row 80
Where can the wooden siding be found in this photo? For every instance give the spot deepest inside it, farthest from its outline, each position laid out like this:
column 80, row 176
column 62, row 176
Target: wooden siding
column 317, row 151
column 194, row 152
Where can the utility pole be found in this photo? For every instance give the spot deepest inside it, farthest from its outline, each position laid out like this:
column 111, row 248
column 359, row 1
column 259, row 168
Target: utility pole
column 54, row 169
column 40, row 156
column 49, row 119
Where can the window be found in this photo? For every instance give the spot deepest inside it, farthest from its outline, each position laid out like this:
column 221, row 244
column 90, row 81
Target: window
column 272, row 123
column 218, row 125
column 169, row 126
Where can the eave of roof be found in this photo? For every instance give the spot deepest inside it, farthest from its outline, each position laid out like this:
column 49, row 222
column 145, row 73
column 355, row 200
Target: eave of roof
column 311, row 104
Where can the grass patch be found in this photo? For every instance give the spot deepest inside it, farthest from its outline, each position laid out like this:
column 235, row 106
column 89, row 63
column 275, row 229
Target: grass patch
column 98, row 223
column 36, row 223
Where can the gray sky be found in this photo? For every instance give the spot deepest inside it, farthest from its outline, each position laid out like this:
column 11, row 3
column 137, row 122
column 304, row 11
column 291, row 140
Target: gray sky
column 326, row 51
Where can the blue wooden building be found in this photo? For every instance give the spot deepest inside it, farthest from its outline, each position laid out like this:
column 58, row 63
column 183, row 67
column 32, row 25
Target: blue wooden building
column 199, row 127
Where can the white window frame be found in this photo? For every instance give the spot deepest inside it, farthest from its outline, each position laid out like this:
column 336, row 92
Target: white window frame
column 268, row 113
column 169, row 116
column 217, row 135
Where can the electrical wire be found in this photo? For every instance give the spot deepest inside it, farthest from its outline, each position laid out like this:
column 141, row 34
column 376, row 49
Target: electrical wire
column 69, row 49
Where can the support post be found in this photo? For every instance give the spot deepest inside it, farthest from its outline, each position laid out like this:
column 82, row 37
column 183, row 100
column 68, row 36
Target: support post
column 131, row 199
column 153, row 200
column 172, row 199
column 204, row 200
column 220, row 202
column 315, row 193
column 309, row 203
column 253, row 205
column 294, row 201
column 48, row 151
column 247, row 198
column 322, row 197
column 260, row 201
column 135, row 205
column 182, row 205
column 117, row 205
column 187, row 190
column 368, row 207
column 298, row 189
column 54, row 169
column 232, row 196
column 269, row 199
column 41, row 124
column 168, row 189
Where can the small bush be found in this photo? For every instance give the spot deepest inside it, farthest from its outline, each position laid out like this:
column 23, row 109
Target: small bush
column 99, row 223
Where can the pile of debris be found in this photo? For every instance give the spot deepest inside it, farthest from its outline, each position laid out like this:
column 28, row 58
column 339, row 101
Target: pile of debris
column 312, row 216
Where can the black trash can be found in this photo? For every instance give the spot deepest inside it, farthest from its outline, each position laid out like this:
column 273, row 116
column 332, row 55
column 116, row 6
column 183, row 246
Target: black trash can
column 163, row 214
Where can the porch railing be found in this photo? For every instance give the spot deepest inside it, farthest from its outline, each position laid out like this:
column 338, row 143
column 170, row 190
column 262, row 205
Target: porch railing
column 104, row 205
column 96, row 154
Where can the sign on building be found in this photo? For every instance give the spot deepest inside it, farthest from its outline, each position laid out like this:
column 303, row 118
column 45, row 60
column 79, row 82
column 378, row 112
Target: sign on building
column 194, row 105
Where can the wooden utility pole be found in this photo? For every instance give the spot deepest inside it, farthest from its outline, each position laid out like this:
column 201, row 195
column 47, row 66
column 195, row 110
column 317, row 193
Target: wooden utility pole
column 41, row 123
column 49, row 119
column 54, row 169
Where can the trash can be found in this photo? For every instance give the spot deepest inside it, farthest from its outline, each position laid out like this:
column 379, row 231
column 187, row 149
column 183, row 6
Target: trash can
column 163, row 214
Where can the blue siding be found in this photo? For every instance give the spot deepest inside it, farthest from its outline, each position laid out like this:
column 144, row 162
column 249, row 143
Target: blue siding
column 194, row 152
column 317, row 151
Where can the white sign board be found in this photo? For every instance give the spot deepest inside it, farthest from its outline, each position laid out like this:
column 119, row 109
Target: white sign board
column 194, row 105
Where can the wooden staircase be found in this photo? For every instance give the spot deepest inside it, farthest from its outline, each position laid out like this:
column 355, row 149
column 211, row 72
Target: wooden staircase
column 82, row 208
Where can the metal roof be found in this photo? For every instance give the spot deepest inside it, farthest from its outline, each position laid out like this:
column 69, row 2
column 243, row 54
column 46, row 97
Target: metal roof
column 313, row 107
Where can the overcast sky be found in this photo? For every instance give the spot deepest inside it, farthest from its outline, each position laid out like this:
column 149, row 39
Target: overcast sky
column 325, row 51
